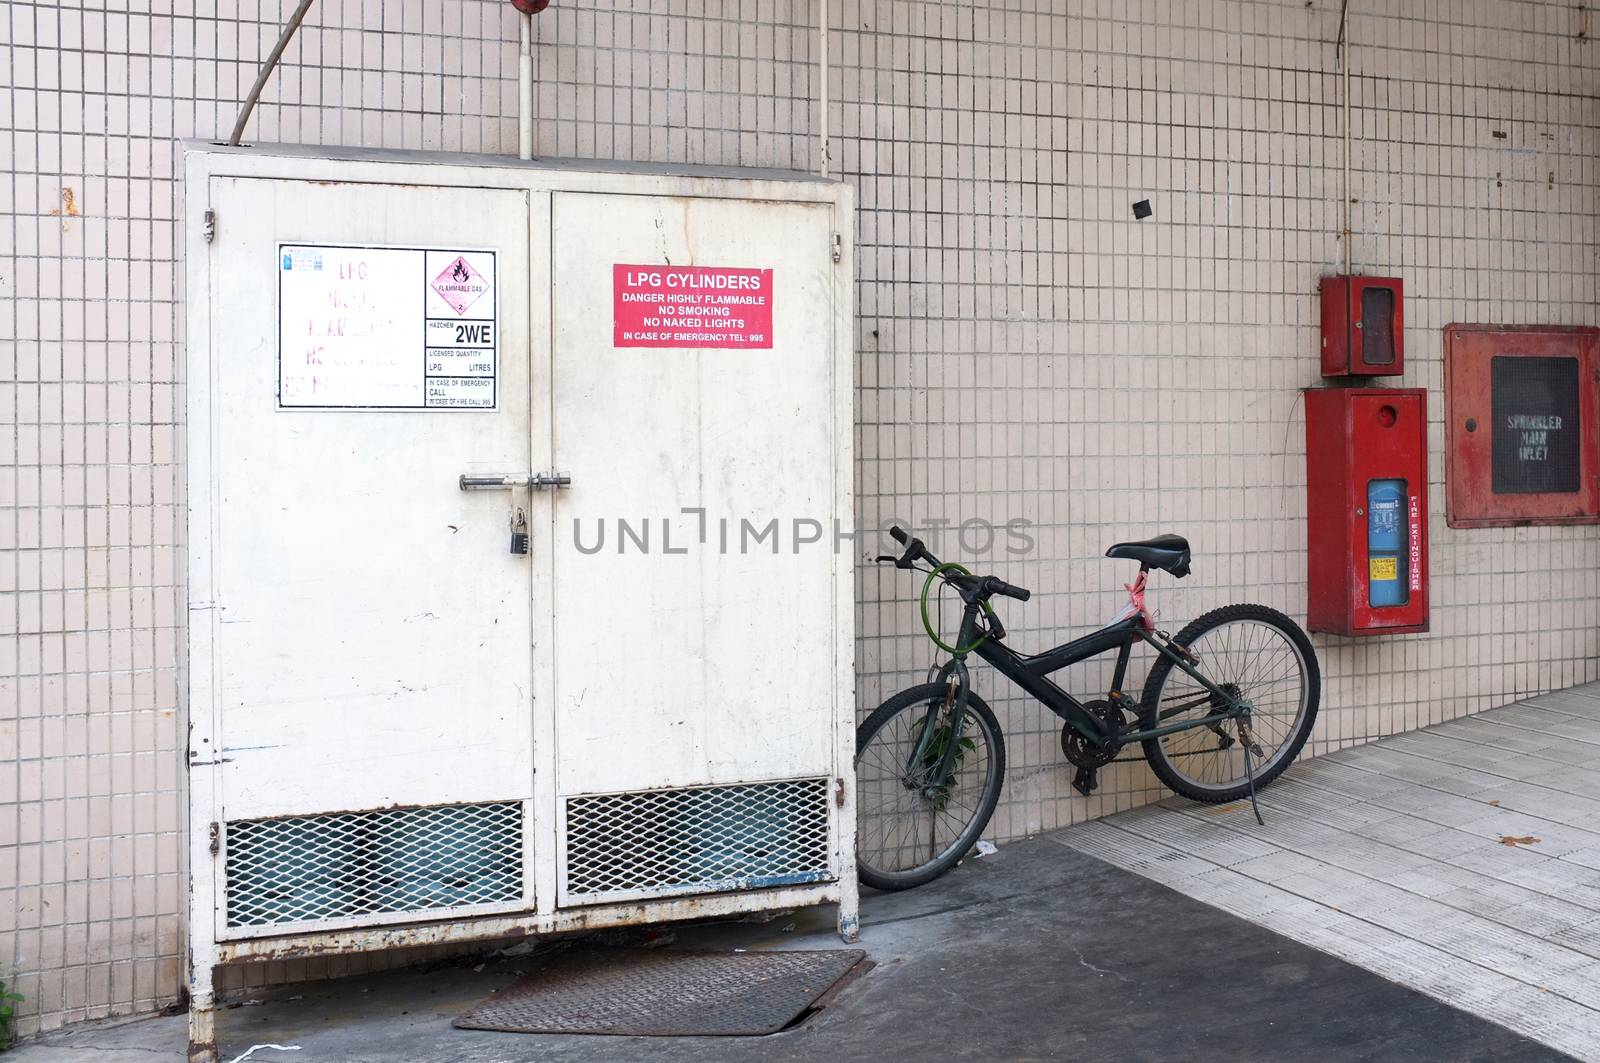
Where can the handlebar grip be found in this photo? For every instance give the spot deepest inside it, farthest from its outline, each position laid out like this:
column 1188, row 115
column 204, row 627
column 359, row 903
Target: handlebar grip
column 1000, row 586
column 898, row 534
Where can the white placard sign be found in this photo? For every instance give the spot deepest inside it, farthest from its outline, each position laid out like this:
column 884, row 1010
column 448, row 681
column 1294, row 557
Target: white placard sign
column 386, row 328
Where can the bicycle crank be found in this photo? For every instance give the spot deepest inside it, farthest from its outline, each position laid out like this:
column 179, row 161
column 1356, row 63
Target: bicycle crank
column 1086, row 755
column 1079, row 750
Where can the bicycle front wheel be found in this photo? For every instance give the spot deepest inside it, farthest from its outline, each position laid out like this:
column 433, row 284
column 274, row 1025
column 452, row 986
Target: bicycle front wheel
column 910, row 829
column 1250, row 652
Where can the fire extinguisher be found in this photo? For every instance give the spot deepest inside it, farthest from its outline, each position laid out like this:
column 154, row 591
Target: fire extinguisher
column 1386, row 542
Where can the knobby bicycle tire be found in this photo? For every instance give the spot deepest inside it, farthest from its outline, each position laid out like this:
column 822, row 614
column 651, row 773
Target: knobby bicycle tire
column 1163, row 762
column 918, row 700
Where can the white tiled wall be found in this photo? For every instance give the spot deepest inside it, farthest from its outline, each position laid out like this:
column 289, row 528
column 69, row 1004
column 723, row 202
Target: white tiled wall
column 1027, row 349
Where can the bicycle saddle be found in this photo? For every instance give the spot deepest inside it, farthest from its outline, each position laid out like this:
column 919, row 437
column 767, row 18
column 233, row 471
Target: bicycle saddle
column 1170, row 553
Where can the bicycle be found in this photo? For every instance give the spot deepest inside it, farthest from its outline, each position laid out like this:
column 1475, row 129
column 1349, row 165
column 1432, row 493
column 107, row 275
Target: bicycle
column 927, row 782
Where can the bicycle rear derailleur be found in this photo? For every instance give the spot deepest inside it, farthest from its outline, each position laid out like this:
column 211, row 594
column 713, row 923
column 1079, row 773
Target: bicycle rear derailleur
column 1087, row 756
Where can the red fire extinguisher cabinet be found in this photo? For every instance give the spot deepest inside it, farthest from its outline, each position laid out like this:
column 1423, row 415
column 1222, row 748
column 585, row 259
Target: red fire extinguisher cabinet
column 1367, row 510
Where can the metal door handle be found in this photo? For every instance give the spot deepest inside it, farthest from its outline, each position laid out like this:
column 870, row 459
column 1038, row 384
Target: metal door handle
column 536, row 480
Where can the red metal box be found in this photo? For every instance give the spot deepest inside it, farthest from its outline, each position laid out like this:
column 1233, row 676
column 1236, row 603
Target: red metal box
column 1363, row 326
column 1522, row 425
column 1367, row 510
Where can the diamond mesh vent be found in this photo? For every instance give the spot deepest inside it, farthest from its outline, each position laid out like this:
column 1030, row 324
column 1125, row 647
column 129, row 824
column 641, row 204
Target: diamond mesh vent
column 362, row 863
column 699, row 840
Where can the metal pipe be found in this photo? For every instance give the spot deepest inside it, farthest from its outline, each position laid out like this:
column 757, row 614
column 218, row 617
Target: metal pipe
column 267, row 68
column 525, row 90
column 822, row 90
column 1344, row 101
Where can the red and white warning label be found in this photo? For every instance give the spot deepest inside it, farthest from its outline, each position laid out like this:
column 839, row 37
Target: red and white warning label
column 691, row 306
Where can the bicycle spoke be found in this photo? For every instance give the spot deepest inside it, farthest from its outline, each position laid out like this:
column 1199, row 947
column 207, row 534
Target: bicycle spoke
column 905, row 821
column 1266, row 670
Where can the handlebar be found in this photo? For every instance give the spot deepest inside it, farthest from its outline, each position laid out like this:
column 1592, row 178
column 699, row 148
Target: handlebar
column 974, row 589
column 996, row 585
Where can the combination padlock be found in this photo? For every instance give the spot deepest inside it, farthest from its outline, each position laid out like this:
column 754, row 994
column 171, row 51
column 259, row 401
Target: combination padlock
column 519, row 533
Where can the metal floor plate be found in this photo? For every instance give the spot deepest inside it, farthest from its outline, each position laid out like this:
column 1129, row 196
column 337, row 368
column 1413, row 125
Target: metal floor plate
column 663, row 993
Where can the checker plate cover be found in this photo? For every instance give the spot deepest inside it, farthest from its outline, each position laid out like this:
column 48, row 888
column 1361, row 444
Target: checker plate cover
column 661, row 993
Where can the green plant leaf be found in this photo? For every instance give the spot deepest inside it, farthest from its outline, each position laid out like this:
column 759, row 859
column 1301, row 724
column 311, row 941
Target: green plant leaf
column 933, row 756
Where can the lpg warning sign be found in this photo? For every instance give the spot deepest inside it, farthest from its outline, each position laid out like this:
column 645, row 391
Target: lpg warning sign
column 691, row 306
column 386, row 328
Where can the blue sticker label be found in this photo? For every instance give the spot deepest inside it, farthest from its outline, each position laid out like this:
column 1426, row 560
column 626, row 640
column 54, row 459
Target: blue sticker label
column 305, row 259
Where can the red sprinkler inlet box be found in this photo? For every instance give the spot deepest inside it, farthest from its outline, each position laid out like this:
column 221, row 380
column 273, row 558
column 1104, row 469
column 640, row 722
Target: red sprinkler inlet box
column 1363, row 326
column 1367, row 510
column 1521, row 406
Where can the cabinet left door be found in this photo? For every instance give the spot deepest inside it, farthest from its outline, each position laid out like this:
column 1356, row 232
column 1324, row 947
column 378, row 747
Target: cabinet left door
column 363, row 628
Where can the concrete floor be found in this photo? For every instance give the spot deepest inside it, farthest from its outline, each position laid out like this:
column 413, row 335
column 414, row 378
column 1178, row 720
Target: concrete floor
column 1462, row 861
column 1036, row 952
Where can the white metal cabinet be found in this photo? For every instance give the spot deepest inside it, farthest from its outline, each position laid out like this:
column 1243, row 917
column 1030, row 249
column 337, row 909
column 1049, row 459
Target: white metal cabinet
column 404, row 733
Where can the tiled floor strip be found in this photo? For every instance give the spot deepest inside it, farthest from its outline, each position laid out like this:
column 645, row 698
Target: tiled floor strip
column 1410, row 857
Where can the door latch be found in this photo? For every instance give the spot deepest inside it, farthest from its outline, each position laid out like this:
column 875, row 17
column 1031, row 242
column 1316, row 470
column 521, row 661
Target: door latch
column 536, row 480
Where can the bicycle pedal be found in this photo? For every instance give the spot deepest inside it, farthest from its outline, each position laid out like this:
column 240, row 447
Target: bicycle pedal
column 1086, row 781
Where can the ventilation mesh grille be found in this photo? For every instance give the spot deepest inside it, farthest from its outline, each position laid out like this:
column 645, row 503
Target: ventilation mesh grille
column 362, row 863
column 697, row 840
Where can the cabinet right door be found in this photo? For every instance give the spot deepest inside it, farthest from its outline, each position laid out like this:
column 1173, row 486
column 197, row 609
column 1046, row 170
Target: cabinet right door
column 694, row 555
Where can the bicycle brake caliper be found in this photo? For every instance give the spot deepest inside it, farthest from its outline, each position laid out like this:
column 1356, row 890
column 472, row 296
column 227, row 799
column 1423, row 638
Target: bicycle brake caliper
column 1179, row 648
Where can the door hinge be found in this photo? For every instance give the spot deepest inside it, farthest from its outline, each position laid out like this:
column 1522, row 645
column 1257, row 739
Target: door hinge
column 209, row 226
column 838, row 248
column 838, row 792
column 214, row 832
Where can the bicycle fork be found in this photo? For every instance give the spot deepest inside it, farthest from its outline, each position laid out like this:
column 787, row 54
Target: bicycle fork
column 957, row 682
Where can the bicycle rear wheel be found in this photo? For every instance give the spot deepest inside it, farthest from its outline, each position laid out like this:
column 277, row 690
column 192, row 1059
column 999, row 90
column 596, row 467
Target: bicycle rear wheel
column 1250, row 651
column 909, row 831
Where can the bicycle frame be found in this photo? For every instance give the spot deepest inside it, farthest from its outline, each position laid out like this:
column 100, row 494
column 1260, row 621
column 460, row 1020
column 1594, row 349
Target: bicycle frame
column 982, row 633
column 1032, row 673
